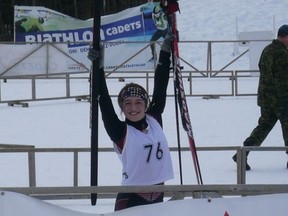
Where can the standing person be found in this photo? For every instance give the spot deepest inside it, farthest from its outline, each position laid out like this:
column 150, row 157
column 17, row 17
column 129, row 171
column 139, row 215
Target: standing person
column 161, row 23
column 272, row 91
column 139, row 141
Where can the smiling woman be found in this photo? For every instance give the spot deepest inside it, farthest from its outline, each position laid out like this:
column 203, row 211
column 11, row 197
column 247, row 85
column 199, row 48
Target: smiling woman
column 134, row 109
column 133, row 100
column 139, row 141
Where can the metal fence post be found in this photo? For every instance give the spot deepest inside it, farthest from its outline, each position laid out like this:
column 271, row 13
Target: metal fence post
column 67, row 85
column 241, row 166
column 31, row 167
column 75, row 176
column 33, row 86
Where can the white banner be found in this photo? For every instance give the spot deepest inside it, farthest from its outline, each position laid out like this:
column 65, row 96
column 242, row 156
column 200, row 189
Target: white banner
column 126, row 35
column 40, row 59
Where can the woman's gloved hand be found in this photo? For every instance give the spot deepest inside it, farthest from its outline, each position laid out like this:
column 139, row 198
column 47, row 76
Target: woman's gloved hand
column 94, row 55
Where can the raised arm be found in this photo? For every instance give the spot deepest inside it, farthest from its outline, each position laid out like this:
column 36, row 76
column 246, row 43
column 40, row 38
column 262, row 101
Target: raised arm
column 115, row 128
column 161, row 79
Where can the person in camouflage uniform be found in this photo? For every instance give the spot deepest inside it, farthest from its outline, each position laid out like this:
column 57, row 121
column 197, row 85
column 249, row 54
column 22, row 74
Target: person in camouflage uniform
column 272, row 91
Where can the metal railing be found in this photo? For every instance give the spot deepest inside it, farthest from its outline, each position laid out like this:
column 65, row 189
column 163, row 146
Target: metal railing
column 230, row 78
column 83, row 192
column 174, row 191
column 191, row 74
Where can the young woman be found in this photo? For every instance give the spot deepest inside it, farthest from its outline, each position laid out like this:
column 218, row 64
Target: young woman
column 139, row 141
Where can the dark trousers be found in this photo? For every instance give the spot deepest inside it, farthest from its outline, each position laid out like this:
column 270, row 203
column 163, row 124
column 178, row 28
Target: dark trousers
column 127, row 200
column 269, row 116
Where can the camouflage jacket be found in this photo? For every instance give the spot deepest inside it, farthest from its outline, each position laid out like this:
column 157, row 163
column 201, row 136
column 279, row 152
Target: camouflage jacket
column 273, row 81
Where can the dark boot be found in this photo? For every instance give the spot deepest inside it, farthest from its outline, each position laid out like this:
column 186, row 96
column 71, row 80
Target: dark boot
column 247, row 165
column 154, row 58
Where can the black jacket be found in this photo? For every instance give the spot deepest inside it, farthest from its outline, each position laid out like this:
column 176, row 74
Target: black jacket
column 116, row 128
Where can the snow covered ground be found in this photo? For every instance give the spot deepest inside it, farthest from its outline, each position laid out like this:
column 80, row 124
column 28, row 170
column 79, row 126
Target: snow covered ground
column 221, row 122
column 270, row 205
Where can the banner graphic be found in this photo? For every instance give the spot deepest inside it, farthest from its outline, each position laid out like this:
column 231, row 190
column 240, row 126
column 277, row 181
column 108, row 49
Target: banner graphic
column 126, row 35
